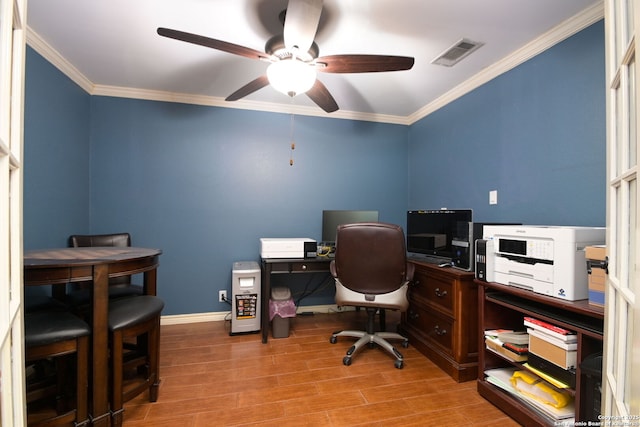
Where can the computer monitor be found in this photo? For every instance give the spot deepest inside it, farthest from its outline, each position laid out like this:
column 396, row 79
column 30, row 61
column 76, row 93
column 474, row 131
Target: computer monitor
column 432, row 234
column 331, row 219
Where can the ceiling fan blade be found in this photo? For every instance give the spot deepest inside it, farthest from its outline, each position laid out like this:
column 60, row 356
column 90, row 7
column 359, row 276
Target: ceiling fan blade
column 363, row 63
column 321, row 96
column 249, row 88
column 301, row 23
column 213, row 43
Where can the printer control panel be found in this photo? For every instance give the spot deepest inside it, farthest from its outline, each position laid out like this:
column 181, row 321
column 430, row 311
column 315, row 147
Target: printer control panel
column 533, row 248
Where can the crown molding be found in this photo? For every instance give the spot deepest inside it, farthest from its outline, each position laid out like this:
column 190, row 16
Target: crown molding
column 45, row 50
column 554, row 36
column 243, row 104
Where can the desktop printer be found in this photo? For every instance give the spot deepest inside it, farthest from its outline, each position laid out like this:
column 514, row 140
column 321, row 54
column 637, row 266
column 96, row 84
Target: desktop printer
column 297, row 247
column 549, row 260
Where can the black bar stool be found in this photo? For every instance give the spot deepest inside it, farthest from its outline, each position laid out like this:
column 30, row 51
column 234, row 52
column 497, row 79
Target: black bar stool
column 133, row 320
column 79, row 295
column 52, row 337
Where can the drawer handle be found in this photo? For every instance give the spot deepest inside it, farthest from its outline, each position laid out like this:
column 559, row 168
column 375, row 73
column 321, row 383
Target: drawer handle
column 440, row 293
column 304, row 266
column 440, row 331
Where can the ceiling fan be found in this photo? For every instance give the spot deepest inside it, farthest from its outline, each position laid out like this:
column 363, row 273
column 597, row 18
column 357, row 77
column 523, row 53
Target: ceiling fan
column 294, row 57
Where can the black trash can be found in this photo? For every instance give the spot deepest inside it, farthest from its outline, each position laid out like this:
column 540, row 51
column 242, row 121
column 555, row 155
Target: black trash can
column 281, row 309
column 591, row 368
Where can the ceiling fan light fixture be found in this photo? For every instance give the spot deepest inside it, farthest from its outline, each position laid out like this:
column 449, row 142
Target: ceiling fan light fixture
column 291, row 76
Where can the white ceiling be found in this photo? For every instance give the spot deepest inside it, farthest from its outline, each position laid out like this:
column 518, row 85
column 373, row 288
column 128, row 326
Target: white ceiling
column 112, row 48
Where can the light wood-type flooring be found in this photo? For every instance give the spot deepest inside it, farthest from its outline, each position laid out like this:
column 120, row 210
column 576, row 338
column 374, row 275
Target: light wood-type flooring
column 209, row 378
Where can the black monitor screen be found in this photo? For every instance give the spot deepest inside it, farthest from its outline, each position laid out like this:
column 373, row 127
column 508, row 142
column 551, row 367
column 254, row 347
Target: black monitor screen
column 431, row 232
column 332, row 219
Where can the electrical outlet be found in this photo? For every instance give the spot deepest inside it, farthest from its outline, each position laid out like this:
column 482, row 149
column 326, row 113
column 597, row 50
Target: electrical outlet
column 222, row 296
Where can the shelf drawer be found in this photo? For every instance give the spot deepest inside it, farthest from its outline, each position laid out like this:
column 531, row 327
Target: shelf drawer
column 435, row 291
column 300, row 267
column 434, row 327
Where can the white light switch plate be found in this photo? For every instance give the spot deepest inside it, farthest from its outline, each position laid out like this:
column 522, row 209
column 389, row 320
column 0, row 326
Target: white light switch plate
column 493, row 197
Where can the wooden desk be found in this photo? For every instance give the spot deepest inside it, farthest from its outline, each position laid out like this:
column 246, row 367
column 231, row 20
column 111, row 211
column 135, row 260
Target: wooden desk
column 442, row 319
column 61, row 266
column 285, row 266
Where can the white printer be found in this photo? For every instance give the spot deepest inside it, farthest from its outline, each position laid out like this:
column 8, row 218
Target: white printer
column 549, row 260
column 297, row 247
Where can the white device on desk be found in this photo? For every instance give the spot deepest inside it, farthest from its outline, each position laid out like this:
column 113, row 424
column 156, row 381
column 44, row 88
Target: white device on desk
column 549, row 260
column 297, row 247
column 245, row 297
column 484, row 254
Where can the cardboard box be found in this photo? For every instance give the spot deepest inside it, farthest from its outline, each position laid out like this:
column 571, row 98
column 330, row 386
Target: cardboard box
column 597, row 271
column 563, row 355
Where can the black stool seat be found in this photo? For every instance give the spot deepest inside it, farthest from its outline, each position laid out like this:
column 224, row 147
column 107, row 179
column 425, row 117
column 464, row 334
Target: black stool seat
column 54, row 339
column 47, row 327
column 127, row 312
column 134, row 319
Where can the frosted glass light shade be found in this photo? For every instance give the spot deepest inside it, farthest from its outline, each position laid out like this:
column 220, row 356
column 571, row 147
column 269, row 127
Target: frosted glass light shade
column 291, row 76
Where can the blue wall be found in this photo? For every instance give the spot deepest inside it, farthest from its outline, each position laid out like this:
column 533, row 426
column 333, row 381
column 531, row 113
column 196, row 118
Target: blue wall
column 536, row 134
column 56, row 152
column 205, row 183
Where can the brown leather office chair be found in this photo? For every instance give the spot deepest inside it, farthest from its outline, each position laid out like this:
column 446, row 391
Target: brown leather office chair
column 118, row 286
column 371, row 271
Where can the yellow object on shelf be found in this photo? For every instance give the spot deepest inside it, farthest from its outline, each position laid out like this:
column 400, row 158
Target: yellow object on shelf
column 536, row 388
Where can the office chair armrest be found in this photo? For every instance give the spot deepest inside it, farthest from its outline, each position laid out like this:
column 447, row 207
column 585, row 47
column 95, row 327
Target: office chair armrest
column 332, row 268
column 411, row 268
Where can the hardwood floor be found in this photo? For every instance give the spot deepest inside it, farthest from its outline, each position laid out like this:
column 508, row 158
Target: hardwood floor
column 209, row 378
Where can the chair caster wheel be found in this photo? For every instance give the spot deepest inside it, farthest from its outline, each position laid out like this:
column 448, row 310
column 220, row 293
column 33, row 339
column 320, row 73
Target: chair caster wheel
column 398, row 364
column 372, row 345
column 346, row 361
column 333, row 340
column 405, row 344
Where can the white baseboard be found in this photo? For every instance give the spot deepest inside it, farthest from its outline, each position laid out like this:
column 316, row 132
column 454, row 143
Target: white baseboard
column 216, row 316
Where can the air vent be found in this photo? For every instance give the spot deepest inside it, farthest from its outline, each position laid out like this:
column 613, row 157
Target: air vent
column 456, row 53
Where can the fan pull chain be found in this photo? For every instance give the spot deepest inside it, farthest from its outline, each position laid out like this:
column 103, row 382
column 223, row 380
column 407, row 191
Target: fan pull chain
column 293, row 143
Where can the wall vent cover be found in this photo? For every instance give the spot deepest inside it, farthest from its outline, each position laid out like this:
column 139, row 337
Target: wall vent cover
column 460, row 50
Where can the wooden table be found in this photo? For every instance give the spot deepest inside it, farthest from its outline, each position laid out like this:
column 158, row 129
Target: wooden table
column 95, row 264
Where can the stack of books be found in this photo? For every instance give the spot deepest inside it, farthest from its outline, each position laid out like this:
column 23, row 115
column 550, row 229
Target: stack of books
column 553, row 343
column 553, row 350
column 510, row 344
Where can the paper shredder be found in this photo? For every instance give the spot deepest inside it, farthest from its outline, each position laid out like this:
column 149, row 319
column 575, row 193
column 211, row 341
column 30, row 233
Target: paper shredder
column 245, row 298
